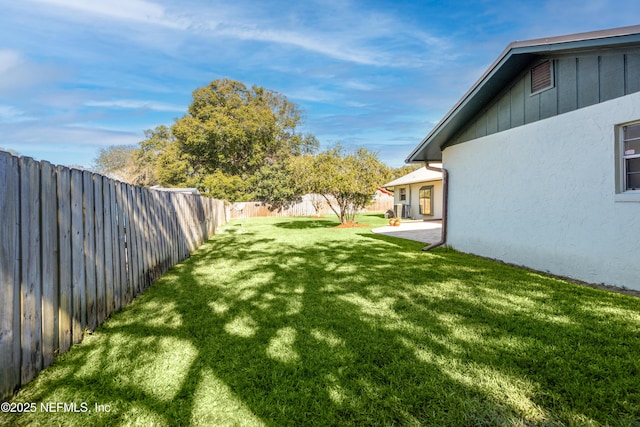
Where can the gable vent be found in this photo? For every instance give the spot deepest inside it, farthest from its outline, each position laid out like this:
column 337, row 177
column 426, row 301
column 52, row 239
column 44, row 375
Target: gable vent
column 541, row 77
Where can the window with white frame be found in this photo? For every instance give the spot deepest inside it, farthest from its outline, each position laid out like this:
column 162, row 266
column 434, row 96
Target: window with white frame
column 403, row 194
column 630, row 158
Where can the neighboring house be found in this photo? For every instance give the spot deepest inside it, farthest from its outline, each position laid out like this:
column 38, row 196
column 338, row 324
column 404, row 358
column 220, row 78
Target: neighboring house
column 417, row 195
column 543, row 158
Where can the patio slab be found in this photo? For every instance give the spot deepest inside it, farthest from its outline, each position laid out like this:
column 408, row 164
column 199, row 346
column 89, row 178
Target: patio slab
column 420, row 231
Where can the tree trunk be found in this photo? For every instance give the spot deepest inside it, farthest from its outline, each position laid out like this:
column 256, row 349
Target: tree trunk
column 337, row 212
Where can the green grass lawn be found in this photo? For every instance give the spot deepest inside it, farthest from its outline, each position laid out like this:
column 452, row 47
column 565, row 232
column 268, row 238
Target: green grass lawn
column 287, row 321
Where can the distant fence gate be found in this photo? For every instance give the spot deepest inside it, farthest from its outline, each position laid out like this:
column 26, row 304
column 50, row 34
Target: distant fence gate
column 76, row 246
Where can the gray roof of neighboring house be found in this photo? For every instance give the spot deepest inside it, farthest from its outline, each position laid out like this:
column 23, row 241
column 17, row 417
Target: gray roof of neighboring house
column 185, row 190
column 504, row 69
column 419, row 175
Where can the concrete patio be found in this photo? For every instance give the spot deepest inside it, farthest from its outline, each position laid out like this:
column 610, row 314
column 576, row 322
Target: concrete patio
column 420, row 231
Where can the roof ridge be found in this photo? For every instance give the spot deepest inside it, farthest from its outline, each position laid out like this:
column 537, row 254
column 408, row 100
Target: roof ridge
column 567, row 38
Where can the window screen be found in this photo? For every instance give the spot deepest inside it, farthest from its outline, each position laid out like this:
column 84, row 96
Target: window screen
column 631, row 156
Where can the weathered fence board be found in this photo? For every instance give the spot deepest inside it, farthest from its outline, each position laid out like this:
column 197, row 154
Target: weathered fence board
column 153, row 236
column 64, row 258
column 174, row 235
column 78, row 296
column 132, row 244
column 137, row 229
column 146, row 233
column 162, row 228
column 31, row 279
column 108, row 246
column 121, row 267
column 115, row 249
column 99, row 255
column 50, row 284
column 9, row 274
column 89, row 249
column 114, row 275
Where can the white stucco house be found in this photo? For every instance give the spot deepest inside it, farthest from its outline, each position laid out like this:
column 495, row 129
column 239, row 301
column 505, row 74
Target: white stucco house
column 542, row 158
column 418, row 195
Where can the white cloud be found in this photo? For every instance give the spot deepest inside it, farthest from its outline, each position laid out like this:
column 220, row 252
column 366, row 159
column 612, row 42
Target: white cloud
column 9, row 114
column 359, row 85
column 17, row 73
column 334, row 47
column 130, row 104
column 312, row 94
column 341, row 30
column 131, row 10
column 352, row 35
column 61, row 141
column 71, row 135
column 9, row 59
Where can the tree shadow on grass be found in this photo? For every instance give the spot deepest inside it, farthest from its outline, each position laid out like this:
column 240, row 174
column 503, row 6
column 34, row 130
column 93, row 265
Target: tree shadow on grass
column 398, row 242
column 303, row 225
column 278, row 331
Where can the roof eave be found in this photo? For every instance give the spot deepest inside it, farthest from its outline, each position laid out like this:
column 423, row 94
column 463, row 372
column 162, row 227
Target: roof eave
column 430, row 148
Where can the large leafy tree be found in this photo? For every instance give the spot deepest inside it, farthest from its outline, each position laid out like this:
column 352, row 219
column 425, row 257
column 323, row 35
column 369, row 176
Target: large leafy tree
column 402, row 171
column 125, row 163
column 234, row 143
column 156, row 160
column 237, row 130
column 162, row 161
column 115, row 160
column 347, row 180
column 274, row 184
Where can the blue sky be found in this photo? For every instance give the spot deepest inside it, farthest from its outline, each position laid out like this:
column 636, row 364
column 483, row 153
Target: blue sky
column 80, row 75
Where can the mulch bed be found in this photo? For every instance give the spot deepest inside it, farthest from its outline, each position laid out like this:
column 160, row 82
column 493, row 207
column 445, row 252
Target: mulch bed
column 351, row 225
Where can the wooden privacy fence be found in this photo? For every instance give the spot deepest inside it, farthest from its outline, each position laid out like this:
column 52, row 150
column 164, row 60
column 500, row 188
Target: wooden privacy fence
column 304, row 207
column 76, row 246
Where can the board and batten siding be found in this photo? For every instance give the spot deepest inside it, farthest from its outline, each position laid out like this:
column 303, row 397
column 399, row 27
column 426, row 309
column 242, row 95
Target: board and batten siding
column 580, row 81
column 75, row 247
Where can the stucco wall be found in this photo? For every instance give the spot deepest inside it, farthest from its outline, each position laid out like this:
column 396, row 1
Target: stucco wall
column 413, row 198
column 543, row 195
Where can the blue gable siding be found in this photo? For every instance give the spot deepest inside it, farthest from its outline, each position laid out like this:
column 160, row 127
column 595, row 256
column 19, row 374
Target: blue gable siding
column 580, row 80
